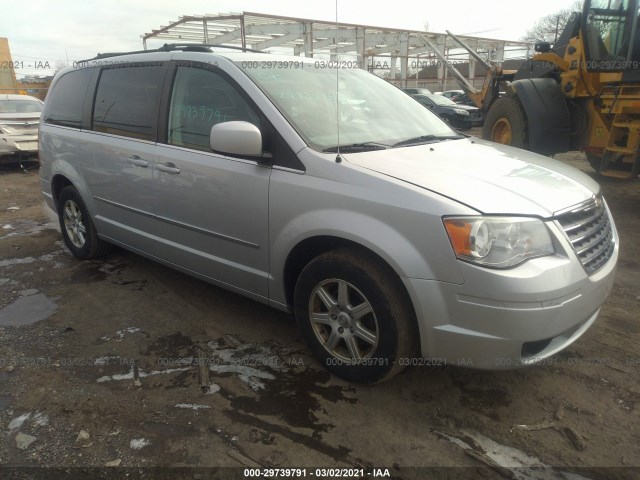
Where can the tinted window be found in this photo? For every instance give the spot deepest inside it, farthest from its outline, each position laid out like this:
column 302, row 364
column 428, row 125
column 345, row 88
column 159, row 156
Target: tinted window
column 65, row 101
column 127, row 100
column 200, row 99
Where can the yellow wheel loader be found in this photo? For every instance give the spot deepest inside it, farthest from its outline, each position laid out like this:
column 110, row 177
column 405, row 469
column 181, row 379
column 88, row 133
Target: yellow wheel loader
column 581, row 94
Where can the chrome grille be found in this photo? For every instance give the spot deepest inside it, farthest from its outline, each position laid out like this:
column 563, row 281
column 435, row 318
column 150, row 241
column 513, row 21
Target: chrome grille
column 588, row 228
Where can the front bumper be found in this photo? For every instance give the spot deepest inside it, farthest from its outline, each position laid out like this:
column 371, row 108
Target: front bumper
column 510, row 318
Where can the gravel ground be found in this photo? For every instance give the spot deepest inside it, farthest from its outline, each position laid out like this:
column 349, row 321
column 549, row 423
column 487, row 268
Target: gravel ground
column 121, row 361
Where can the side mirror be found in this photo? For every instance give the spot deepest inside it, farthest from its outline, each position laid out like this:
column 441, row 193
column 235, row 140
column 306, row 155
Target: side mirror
column 236, row 138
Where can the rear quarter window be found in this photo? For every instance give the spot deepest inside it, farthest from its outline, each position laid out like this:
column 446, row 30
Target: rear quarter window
column 65, row 101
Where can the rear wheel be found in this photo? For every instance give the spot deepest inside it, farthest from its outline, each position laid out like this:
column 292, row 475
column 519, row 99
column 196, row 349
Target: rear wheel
column 78, row 230
column 354, row 318
column 506, row 123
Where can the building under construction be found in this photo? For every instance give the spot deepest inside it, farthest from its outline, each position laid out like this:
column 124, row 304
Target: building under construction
column 394, row 54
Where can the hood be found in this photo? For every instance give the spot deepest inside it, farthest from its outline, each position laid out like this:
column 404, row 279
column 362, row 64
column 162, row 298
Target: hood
column 485, row 176
column 462, row 106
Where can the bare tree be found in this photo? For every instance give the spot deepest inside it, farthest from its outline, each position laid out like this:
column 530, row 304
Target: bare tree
column 548, row 28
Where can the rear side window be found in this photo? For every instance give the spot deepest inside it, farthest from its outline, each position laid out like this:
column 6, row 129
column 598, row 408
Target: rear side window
column 64, row 103
column 127, row 100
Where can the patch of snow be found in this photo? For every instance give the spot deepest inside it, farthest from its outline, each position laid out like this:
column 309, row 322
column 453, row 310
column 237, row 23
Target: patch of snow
column 121, row 333
column 17, row 422
column 213, row 388
column 41, row 419
column 142, row 374
column 191, row 406
column 16, row 261
column 103, row 360
column 27, row 292
column 523, row 465
column 249, row 375
column 138, row 443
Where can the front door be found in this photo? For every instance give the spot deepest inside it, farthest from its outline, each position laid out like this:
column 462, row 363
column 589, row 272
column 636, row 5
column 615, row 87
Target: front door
column 213, row 208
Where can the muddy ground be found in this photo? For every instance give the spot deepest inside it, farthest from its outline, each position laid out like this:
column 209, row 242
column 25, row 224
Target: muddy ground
column 99, row 366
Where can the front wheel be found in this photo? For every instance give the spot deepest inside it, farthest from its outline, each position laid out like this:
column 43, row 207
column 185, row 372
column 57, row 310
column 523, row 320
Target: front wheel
column 354, row 318
column 595, row 161
column 506, row 123
column 78, row 230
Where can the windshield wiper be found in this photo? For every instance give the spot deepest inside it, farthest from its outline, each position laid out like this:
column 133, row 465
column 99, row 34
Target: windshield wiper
column 356, row 147
column 422, row 139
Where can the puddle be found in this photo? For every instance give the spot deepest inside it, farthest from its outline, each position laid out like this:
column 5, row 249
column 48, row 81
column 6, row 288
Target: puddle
column 170, row 346
column 27, row 310
column 295, row 398
column 169, row 430
column 5, row 402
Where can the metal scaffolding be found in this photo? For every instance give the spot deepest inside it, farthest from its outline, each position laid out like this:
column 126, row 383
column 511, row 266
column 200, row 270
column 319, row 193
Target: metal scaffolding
column 394, row 54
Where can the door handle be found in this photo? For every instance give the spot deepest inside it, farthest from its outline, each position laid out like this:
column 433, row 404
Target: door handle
column 168, row 168
column 137, row 161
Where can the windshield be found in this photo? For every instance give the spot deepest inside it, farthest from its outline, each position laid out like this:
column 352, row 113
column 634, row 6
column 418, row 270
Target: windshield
column 20, row 106
column 440, row 100
column 371, row 110
column 611, row 35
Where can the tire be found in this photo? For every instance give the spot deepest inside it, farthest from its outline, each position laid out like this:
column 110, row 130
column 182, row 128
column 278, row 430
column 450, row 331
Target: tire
column 77, row 228
column 506, row 123
column 374, row 318
column 463, row 126
column 595, row 161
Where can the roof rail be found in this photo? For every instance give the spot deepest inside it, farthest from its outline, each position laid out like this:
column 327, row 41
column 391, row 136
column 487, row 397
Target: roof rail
column 168, row 47
column 172, row 47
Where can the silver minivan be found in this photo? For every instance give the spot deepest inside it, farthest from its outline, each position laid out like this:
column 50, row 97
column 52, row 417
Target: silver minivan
column 327, row 192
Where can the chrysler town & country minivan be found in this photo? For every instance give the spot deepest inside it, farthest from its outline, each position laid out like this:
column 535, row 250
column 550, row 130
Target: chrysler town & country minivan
column 329, row 193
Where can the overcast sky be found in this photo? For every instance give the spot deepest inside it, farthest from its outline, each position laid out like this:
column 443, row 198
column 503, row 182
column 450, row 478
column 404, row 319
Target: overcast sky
column 41, row 31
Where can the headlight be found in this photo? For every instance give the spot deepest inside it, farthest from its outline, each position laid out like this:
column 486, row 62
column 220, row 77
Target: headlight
column 498, row 242
column 459, row 111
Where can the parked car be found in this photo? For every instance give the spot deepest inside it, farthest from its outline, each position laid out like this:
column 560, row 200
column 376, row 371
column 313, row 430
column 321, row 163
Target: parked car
column 390, row 236
column 451, row 94
column 461, row 117
column 417, row 91
column 19, row 117
column 459, row 97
